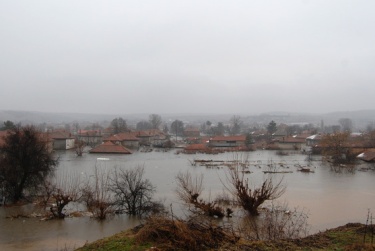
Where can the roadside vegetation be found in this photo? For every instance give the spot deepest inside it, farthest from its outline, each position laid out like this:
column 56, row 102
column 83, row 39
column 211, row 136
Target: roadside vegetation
column 167, row 234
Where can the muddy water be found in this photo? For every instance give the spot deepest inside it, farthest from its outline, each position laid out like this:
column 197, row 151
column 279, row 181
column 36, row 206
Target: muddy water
column 331, row 198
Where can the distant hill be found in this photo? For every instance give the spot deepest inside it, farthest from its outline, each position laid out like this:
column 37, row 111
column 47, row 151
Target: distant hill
column 361, row 119
column 27, row 117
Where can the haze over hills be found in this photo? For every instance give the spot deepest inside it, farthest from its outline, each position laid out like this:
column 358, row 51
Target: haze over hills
column 361, row 119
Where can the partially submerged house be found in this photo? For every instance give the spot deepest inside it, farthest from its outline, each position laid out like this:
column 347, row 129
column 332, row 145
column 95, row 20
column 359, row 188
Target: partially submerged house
column 313, row 139
column 152, row 137
column 280, row 133
column 227, row 141
column 90, row 137
column 110, row 148
column 62, row 140
column 126, row 139
column 291, row 143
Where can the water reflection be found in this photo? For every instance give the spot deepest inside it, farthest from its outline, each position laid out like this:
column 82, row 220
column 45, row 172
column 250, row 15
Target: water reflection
column 331, row 197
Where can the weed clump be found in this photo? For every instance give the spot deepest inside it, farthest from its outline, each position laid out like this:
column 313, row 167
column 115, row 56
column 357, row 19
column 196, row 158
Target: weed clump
column 176, row 234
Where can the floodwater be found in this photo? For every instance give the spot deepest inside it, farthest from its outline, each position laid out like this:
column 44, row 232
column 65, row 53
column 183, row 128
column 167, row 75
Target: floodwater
column 331, row 197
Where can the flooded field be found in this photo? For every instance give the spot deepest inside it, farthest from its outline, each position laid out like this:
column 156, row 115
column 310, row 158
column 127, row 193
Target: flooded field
column 331, row 197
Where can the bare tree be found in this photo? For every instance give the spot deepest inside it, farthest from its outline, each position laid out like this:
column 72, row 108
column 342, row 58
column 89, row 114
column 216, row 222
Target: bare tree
column 335, row 147
column 79, row 145
column 235, row 125
column 218, row 130
column 46, row 190
column 97, row 195
column 65, row 188
column 143, row 125
column 155, row 121
column 25, row 161
column 119, row 125
column 346, row 124
column 251, row 198
column 190, row 188
column 132, row 192
column 165, row 129
column 177, row 128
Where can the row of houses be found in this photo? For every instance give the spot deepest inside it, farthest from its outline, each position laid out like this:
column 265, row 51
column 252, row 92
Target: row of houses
column 126, row 142
column 62, row 140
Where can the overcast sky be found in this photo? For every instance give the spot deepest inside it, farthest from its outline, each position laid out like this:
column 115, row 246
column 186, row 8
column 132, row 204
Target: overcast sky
column 240, row 57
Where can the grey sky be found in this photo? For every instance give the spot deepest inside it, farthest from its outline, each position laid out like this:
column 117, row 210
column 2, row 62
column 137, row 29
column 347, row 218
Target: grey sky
column 187, row 56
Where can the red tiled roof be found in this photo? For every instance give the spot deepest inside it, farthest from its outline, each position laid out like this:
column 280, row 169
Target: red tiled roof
column 196, row 147
column 60, row 135
column 109, row 147
column 89, row 132
column 303, row 135
column 229, row 138
column 124, row 136
column 292, row 139
column 205, row 139
column 368, row 155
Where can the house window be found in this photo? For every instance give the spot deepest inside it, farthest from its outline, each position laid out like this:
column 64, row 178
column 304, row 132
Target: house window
column 231, row 142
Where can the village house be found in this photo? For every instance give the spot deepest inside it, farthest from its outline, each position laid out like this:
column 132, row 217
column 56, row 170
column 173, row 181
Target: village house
column 90, row 137
column 280, row 133
column 227, row 141
column 126, row 139
column 107, row 132
column 152, row 137
column 159, row 139
column 291, row 143
column 62, row 140
column 313, row 139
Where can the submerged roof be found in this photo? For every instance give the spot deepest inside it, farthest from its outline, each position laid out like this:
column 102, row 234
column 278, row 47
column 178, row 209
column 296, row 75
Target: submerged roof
column 109, row 147
column 368, row 155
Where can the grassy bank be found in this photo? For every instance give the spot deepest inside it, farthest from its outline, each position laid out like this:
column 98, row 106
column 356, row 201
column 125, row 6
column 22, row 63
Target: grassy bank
column 177, row 236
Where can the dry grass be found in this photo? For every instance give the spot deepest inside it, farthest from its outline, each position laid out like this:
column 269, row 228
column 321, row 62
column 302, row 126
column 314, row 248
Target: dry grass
column 175, row 234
